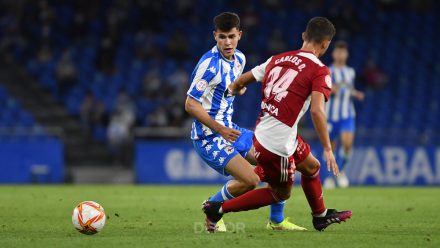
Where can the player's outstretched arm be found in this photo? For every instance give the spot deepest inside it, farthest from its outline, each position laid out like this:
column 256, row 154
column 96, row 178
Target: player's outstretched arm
column 238, row 87
column 319, row 119
column 359, row 95
column 335, row 89
column 195, row 109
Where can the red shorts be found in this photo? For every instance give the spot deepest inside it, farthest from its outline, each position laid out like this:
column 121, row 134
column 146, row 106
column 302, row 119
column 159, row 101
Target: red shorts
column 277, row 170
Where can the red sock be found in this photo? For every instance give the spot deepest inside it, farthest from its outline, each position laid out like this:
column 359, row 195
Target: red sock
column 313, row 190
column 251, row 200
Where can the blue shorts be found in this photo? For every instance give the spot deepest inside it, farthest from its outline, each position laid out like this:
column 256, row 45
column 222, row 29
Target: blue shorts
column 335, row 128
column 217, row 152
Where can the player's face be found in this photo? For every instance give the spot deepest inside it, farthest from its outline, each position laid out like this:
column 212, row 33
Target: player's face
column 340, row 55
column 227, row 41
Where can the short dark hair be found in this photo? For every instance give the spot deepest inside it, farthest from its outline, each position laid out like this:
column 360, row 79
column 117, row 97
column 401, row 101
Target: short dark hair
column 340, row 44
column 226, row 21
column 319, row 29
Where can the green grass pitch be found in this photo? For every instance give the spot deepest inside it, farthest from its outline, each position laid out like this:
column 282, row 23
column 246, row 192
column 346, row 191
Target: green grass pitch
column 170, row 216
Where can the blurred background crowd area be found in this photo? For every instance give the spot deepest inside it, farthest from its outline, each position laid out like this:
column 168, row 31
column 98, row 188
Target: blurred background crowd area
column 119, row 64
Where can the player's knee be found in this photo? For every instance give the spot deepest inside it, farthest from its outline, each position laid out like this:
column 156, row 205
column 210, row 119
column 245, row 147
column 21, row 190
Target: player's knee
column 248, row 187
column 249, row 183
column 283, row 195
column 347, row 148
column 252, row 182
column 314, row 167
column 310, row 169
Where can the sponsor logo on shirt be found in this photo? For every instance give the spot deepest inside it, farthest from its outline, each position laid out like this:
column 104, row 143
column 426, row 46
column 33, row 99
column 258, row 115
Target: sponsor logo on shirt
column 221, row 160
column 212, row 70
column 208, row 147
column 214, row 154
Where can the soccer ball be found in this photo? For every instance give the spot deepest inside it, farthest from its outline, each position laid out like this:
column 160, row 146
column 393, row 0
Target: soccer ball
column 88, row 217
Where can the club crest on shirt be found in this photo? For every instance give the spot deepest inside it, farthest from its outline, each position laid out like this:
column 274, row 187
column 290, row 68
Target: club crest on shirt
column 328, row 81
column 201, row 85
column 229, row 149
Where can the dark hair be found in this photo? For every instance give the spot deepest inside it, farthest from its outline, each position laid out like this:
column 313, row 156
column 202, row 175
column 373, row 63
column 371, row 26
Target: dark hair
column 226, row 21
column 340, row 44
column 319, row 29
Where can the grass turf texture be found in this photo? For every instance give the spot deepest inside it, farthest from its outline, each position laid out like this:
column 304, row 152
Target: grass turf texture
column 170, row 216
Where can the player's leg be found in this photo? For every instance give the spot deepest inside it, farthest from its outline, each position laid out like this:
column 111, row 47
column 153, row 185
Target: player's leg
column 244, row 180
column 309, row 167
column 347, row 138
column 245, row 148
column 273, row 169
column 233, row 188
column 310, row 182
column 277, row 220
column 277, row 171
column 243, row 173
column 251, row 200
column 224, row 158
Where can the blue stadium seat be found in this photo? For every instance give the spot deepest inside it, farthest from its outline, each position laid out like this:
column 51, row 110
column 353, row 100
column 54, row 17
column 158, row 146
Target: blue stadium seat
column 410, row 87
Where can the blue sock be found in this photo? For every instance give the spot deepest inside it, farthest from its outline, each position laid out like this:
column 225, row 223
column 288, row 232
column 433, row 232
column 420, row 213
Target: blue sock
column 222, row 195
column 277, row 212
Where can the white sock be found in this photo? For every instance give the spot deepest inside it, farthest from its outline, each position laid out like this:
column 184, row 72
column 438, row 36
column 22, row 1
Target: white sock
column 220, row 211
column 321, row 214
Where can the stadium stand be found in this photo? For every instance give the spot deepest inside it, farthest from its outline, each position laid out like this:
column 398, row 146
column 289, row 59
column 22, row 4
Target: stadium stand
column 12, row 114
column 148, row 49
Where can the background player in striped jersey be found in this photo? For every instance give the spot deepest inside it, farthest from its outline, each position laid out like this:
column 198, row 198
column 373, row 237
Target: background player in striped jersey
column 220, row 143
column 340, row 110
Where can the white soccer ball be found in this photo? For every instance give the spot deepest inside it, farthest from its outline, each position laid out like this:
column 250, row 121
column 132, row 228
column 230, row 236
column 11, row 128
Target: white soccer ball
column 88, row 217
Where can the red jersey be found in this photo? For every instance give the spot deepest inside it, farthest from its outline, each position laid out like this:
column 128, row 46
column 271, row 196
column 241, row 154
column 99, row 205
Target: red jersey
column 288, row 80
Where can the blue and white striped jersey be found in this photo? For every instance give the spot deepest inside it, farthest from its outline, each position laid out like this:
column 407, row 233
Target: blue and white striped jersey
column 340, row 106
column 209, row 81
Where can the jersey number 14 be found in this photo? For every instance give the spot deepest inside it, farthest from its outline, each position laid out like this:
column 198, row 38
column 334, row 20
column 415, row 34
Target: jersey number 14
column 277, row 85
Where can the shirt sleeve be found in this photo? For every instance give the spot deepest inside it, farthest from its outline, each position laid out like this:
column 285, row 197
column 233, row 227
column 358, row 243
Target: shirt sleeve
column 202, row 75
column 323, row 82
column 259, row 70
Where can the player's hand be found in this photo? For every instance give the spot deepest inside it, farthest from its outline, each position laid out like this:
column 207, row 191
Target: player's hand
column 331, row 161
column 242, row 91
column 335, row 89
column 234, row 90
column 229, row 134
column 359, row 95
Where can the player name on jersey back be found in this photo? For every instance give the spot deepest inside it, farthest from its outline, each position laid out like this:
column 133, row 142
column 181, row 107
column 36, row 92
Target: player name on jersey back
column 292, row 59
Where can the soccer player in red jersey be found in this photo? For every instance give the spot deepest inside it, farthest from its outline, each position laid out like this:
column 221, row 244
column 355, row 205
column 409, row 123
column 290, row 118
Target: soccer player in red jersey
column 291, row 82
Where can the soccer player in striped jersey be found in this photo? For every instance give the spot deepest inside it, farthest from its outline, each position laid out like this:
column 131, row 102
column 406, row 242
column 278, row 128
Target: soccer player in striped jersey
column 224, row 146
column 340, row 110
